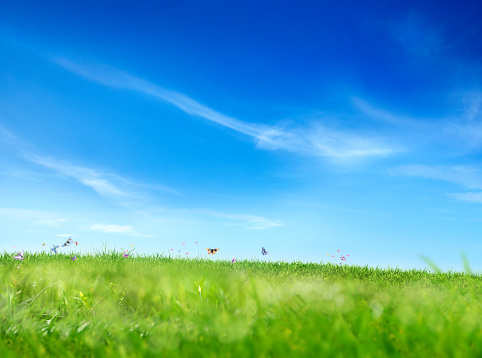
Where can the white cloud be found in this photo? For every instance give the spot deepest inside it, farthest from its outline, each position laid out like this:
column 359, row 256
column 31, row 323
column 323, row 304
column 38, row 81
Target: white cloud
column 460, row 131
column 386, row 116
column 126, row 229
column 465, row 175
column 316, row 141
column 95, row 180
column 7, row 137
column 119, row 229
column 256, row 223
column 466, row 129
column 37, row 217
column 16, row 213
column 54, row 222
column 418, row 36
column 247, row 221
column 103, row 182
column 471, row 105
column 472, row 197
column 322, row 141
column 120, row 79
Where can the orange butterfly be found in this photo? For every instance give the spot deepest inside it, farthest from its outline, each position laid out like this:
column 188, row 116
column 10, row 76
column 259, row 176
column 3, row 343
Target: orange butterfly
column 212, row 251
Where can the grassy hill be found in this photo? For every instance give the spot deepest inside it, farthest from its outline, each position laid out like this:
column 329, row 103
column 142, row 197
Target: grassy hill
column 107, row 305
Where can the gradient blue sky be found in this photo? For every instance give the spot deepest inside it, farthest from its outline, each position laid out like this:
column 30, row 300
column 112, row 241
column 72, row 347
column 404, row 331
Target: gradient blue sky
column 304, row 127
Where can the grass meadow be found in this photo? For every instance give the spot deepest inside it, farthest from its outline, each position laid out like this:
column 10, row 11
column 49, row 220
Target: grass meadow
column 108, row 305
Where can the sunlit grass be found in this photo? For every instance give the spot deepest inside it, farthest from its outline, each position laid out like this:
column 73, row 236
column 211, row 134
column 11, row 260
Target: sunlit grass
column 109, row 305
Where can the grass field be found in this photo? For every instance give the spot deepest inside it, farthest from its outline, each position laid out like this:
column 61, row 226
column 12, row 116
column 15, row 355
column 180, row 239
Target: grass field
column 107, row 305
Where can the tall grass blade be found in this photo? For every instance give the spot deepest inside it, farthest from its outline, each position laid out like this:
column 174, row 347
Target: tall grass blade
column 431, row 264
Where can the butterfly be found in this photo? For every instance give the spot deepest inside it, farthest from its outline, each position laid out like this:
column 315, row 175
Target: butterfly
column 43, row 244
column 263, row 251
column 172, row 249
column 233, row 260
column 74, row 258
column 76, row 243
column 343, row 258
column 338, row 250
column 195, row 242
column 212, row 251
column 184, row 243
column 68, row 242
column 125, row 254
column 19, row 256
column 54, row 248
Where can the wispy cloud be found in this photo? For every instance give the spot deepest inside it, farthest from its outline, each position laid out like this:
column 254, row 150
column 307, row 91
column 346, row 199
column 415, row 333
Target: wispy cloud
column 255, row 223
column 471, row 105
column 103, row 182
column 471, row 197
column 126, row 229
column 468, row 176
column 16, row 213
column 54, row 222
column 466, row 128
column 118, row 229
column 385, row 116
column 7, row 137
column 417, row 35
column 460, row 131
column 37, row 217
column 323, row 141
column 120, row 79
column 251, row 222
column 100, row 182
column 96, row 180
column 318, row 140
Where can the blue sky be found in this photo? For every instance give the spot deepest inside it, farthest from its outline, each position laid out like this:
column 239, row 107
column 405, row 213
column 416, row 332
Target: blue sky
column 303, row 127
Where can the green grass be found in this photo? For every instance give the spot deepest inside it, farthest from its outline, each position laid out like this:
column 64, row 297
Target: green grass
column 105, row 305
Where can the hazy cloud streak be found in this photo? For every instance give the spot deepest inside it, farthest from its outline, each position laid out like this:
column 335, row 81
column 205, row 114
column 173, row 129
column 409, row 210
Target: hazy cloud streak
column 54, row 222
column 471, row 197
column 465, row 175
column 117, row 229
column 120, row 79
column 104, row 183
column 16, row 213
column 248, row 221
column 86, row 176
column 418, row 36
column 316, row 141
column 126, row 229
